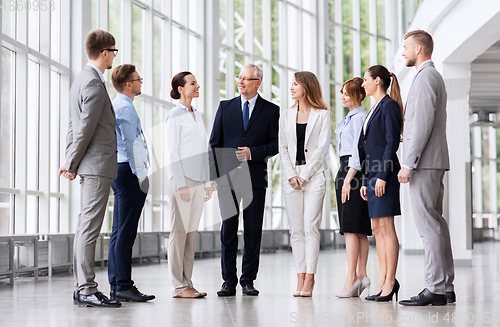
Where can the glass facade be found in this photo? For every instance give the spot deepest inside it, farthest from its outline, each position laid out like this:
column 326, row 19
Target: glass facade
column 335, row 39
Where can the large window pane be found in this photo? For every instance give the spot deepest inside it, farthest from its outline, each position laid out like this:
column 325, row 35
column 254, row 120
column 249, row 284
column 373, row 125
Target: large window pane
column 33, row 118
column 365, row 53
column 239, row 24
column 193, row 54
column 381, row 17
column 308, row 36
column 223, row 74
column 293, row 53
column 115, row 29
column 258, row 48
column 239, row 62
column 158, row 57
column 176, row 54
column 348, row 60
column 55, row 130
column 275, row 31
column 309, row 6
column 177, row 11
column 137, row 43
column 33, row 29
column 364, row 14
column 381, row 52
column 347, row 12
column 6, row 118
column 222, row 22
column 32, row 212
column 331, row 10
column 275, row 88
column 55, row 31
column 5, row 211
column 55, row 214
column 331, row 49
column 8, row 19
column 158, row 5
column 193, row 15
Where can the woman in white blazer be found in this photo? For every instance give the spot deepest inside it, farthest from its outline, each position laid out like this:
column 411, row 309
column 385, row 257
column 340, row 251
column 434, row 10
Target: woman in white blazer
column 304, row 138
column 189, row 184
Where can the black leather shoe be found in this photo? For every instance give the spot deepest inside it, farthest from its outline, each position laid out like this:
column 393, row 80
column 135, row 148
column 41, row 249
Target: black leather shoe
column 75, row 296
column 96, row 299
column 248, row 289
column 132, row 294
column 226, row 290
column 425, row 297
column 451, row 297
column 373, row 297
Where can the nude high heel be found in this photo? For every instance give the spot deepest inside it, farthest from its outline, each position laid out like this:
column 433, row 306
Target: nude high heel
column 365, row 284
column 355, row 291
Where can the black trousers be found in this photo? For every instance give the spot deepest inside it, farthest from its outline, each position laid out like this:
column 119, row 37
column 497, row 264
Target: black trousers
column 253, row 215
column 129, row 201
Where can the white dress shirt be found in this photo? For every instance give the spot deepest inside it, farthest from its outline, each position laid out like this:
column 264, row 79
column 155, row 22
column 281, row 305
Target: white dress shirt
column 187, row 146
column 251, row 106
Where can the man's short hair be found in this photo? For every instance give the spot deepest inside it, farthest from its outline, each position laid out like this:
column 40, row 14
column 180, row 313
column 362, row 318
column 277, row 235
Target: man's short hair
column 97, row 41
column 121, row 75
column 258, row 71
column 423, row 39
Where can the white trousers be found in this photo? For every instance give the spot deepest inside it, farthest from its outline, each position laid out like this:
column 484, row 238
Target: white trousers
column 304, row 210
column 186, row 217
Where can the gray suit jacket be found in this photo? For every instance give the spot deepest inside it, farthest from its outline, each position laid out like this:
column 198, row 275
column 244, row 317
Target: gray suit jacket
column 91, row 139
column 424, row 137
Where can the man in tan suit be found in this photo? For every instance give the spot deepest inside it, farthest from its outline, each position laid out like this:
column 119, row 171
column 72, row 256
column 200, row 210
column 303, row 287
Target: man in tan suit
column 91, row 153
column 425, row 160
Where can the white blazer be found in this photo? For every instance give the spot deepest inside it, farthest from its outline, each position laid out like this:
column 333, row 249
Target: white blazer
column 317, row 141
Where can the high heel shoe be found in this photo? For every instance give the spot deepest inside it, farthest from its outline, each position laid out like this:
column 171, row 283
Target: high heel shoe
column 373, row 297
column 307, row 294
column 354, row 290
column 365, row 284
column 296, row 294
column 387, row 298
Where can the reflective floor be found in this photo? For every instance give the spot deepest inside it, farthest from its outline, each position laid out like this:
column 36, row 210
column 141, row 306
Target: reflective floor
column 49, row 302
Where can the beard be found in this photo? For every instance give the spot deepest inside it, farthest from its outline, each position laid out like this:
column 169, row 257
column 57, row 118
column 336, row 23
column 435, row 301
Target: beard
column 410, row 62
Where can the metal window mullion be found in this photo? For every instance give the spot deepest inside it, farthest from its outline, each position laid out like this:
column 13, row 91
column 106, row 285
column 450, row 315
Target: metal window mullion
column 492, row 138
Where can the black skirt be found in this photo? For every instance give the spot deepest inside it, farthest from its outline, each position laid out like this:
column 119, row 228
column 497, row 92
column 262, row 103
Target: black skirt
column 353, row 214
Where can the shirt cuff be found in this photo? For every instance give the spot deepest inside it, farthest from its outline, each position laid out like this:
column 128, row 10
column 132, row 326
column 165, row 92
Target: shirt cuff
column 407, row 167
column 141, row 172
column 207, row 184
column 250, row 154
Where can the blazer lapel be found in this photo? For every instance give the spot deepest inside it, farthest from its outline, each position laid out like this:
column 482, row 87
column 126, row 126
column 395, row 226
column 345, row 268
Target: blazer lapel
column 313, row 117
column 422, row 67
column 91, row 69
column 256, row 110
column 239, row 113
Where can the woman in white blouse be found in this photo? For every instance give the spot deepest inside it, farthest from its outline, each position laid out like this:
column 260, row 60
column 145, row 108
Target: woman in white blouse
column 304, row 138
column 189, row 184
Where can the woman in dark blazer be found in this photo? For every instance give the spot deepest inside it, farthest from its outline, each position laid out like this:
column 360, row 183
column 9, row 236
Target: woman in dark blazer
column 378, row 143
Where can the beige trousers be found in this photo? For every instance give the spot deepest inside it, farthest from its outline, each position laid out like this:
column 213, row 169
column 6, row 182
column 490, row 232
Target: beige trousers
column 182, row 242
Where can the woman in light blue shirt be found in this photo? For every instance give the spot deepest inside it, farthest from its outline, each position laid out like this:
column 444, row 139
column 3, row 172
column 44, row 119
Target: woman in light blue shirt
column 352, row 209
column 189, row 184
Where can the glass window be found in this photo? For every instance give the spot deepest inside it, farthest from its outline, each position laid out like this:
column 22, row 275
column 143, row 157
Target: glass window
column 275, row 88
column 364, row 13
column 55, row 30
column 193, row 15
column 177, row 11
column 32, row 212
column 222, row 22
column 381, row 17
column 33, row 117
column 193, row 54
column 309, row 6
column 137, row 38
column 158, row 57
column 55, row 215
column 55, row 130
column 308, row 37
column 5, row 211
column 347, row 12
column 348, row 53
column 158, row 5
column 223, row 74
column 8, row 22
column 275, row 30
column 114, row 20
column 239, row 24
column 176, row 51
column 6, row 133
column 258, row 48
column 331, row 10
column 331, row 49
column 381, row 52
column 239, row 62
column 293, row 48
column 365, row 52
column 34, row 29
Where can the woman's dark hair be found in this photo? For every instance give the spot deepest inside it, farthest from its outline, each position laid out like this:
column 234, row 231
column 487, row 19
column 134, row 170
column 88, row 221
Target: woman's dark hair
column 178, row 80
column 385, row 76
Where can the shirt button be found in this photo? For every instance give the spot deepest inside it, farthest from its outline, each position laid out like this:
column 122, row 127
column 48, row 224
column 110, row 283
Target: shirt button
column 306, row 150
column 364, row 142
column 243, row 137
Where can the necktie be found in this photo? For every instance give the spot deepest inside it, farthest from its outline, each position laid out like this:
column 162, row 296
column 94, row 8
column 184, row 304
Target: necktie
column 246, row 114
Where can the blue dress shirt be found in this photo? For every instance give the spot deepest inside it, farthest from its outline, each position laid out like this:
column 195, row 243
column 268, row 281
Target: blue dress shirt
column 349, row 130
column 130, row 142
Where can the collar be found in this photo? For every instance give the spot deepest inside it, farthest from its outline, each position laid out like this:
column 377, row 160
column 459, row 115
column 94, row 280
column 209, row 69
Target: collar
column 124, row 97
column 251, row 101
column 425, row 64
column 184, row 108
column 97, row 70
column 355, row 111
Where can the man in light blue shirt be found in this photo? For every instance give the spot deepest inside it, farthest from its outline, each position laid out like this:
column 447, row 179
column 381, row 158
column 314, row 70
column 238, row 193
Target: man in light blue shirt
column 129, row 188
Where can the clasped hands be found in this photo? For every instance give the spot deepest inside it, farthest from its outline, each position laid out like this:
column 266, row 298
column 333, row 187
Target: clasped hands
column 64, row 172
column 296, row 182
column 379, row 189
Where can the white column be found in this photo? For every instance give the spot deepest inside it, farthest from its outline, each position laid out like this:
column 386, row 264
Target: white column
column 477, row 177
column 457, row 78
column 492, row 221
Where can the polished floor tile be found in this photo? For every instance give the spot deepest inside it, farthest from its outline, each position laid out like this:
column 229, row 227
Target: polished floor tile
column 49, row 302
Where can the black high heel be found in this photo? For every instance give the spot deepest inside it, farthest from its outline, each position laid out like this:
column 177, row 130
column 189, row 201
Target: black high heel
column 373, row 297
column 387, row 298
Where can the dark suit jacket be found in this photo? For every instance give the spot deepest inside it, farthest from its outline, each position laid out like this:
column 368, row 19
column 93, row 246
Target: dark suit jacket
column 261, row 136
column 377, row 148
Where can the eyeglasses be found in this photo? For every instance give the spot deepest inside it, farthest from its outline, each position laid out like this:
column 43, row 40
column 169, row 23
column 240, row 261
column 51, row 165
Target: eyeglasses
column 115, row 51
column 245, row 79
column 140, row 79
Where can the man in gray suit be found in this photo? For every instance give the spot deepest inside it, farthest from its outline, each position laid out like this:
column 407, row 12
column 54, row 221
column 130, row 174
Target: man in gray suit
column 91, row 154
column 425, row 160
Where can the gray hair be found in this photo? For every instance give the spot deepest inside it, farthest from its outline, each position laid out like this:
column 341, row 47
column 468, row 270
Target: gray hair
column 257, row 70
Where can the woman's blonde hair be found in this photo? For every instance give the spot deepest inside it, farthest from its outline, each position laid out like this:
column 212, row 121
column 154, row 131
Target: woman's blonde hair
column 311, row 85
